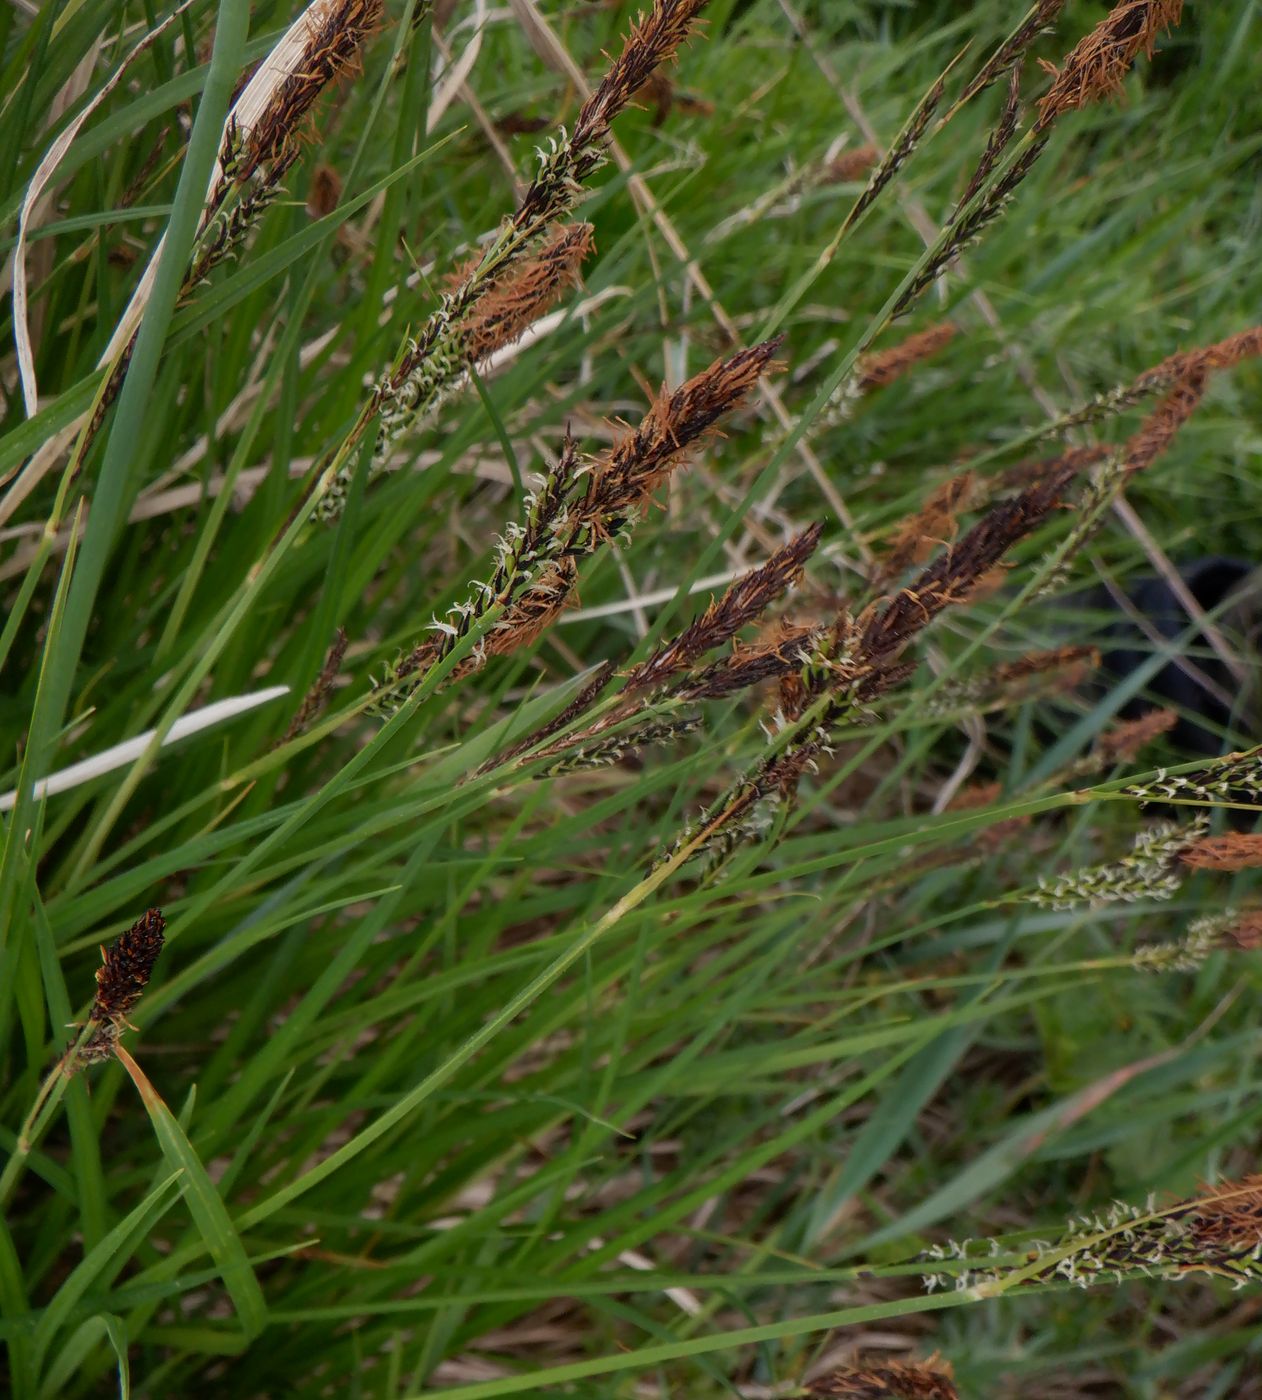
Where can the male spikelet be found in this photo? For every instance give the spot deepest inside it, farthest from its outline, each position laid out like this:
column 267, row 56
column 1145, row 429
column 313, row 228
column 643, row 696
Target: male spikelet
column 126, row 966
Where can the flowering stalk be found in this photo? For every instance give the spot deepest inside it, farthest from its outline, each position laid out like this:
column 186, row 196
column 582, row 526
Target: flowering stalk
column 854, row 662
column 428, row 363
column 1218, row 1233
column 126, row 966
column 1097, row 65
column 1231, row 778
column 1231, row 931
column 261, row 142
column 1067, row 665
column 1150, row 871
column 581, row 505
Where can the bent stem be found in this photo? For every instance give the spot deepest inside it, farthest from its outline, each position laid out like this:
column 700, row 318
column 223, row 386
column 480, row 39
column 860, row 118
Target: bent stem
column 38, row 1119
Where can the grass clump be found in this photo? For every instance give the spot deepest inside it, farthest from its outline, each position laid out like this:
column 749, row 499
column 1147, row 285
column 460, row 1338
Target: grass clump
column 630, row 582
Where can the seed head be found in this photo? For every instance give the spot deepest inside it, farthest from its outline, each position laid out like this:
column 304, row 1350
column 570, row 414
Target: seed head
column 892, row 1381
column 885, row 366
column 1218, row 1232
column 743, row 603
column 936, row 523
column 1150, row 871
column 1237, row 850
column 532, row 285
column 1122, row 743
column 1097, row 65
column 955, row 574
column 624, row 478
column 850, row 165
column 126, row 966
column 1236, row 777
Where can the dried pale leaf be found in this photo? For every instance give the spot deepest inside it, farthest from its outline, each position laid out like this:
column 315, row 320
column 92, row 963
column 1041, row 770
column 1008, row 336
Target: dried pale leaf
column 39, row 181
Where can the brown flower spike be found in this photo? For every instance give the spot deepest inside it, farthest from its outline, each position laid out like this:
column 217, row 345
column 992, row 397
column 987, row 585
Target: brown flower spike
column 1237, row 850
column 885, row 366
column 743, row 602
column 624, row 478
column 895, row 1381
column 1123, row 742
column 126, row 966
column 1245, row 931
column 1096, row 67
column 531, row 288
column 953, row 576
column 917, row 536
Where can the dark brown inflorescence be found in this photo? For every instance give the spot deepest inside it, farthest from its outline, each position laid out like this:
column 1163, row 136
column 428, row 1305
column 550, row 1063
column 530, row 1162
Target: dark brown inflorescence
column 1000, row 138
column 850, row 165
column 955, row 574
column 334, row 40
column 744, row 602
column 652, row 41
column 655, row 690
column 623, row 479
column 1123, row 742
column 318, row 696
column 126, row 966
column 915, row 538
column 783, row 655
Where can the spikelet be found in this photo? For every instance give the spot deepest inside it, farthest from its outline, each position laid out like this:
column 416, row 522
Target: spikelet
column 852, row 663
column 623, row 480
column 892, row 1380
column 261, row 140
column 849, row 165
column 1013, row 681
column 1218, row 1233
column 885, row 366
column 572, row 712
column 318, row 696
column 1149, row 871
column 1000, row 138
column 1233, row 930
column 953, row 577
column 126, row 966
column 1098, row 64
column 969, row 223
column 614, row 748
column 900, row 151
column 1122, row 742
column 1007, row 57
column 1237, row 850
column 915, row 538
column 513, row 303
column 1234, row 777
column 784, row 654
column 744, row 601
